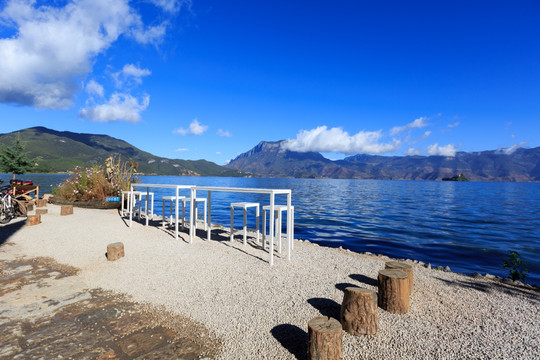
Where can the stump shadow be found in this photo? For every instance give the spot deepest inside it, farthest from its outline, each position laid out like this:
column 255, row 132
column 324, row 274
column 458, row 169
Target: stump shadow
column 364, row 279
column 343, row 286
column 292, row 338
column 326, row 307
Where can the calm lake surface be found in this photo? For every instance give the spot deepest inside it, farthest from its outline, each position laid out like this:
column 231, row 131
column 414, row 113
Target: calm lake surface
column 468, row 226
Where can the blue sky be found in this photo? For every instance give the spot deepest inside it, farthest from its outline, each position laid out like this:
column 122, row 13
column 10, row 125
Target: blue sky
column 209, row 80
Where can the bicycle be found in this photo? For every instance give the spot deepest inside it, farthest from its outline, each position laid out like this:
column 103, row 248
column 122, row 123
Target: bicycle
column 10, row 207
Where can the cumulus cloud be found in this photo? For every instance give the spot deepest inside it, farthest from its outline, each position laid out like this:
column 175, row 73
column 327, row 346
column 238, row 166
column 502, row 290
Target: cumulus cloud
column 224, row 133
column 322, row 139
column 52, row 48
column 181, row 150
column 120, row 107
column 446, row 150
column 418, row 123
column 94, row 88
column 195, row 128
column 130, row 73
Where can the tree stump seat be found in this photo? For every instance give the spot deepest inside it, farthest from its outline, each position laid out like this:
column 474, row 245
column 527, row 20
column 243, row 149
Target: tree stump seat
column 32, row 220
column 407, row 268
column 325, row 339
column 394, row 291
column 359, row 314
column 115, row 251
column 41, row 203
column 66, row 210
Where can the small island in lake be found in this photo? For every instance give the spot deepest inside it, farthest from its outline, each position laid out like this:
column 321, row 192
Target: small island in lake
column 459, row 177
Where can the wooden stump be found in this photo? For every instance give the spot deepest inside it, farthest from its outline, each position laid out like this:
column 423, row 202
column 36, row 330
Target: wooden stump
column 66, row 210
column 32, row 220
column 359, row 314
column 41, row 203
column 115, row 251
column 41, row 211
column 408, row 269
column 325, row 339
column 394, row 291
column 29, row 207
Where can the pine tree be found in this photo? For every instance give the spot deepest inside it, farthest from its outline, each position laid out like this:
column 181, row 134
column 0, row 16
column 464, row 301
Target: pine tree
column 13, row 159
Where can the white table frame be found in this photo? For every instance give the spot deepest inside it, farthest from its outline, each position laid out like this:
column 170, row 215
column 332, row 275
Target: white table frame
column 177, row 189
column 193, row 194
column 272, row 193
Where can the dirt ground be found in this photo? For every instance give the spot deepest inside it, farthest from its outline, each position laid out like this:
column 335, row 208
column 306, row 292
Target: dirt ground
column 45, row 313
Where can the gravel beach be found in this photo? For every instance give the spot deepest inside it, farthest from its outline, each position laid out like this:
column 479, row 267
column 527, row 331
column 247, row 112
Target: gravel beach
column 261, row 311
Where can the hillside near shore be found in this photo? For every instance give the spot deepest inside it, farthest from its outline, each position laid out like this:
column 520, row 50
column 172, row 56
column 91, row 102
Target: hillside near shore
column 269, row 159
column 61, row 151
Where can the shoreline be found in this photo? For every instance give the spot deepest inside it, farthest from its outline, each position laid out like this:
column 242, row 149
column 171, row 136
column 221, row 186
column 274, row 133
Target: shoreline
column 262, row 311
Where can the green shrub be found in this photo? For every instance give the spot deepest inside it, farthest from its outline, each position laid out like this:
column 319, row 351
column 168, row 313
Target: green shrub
column 517, row 268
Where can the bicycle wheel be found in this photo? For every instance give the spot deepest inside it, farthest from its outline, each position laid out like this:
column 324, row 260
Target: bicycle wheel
column 5, row 214
column 20, row 208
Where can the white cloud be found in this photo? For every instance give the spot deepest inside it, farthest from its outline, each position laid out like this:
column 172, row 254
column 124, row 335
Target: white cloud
column 453, row 125
column 412, row 151
column 224, row 133
column 130, row 74
column 418, row 123
column 218, row 152
column 424, row 136
column 150, row 35
column 134, row 71
column 181, row 150
column 171, row 5
column 511, row 149
column 120, row 107
column 94, row 88
column 195, row 128
column 322, row 139
column 446, row 150
column 53, row 47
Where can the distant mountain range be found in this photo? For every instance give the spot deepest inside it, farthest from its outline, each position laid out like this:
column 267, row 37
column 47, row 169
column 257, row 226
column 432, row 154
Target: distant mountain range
column 269, row 159
column 61, row 151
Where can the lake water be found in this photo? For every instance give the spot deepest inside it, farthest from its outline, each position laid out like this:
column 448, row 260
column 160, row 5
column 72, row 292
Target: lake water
column 468, row 226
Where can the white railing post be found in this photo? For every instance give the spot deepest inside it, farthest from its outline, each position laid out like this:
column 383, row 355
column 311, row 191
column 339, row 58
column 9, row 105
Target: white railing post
column 290, row 235
column 176, row 215
column 271, row 227
column 208, row 235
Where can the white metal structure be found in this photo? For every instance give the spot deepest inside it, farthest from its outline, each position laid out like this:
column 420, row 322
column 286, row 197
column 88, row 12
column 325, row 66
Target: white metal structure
column 278, row 223
column 170, row 198
column 177, row 198
column 193, row 195
column 272, row 194
column 146, row 194
column 196, row 207
column 245, row 206
column 132, row 197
